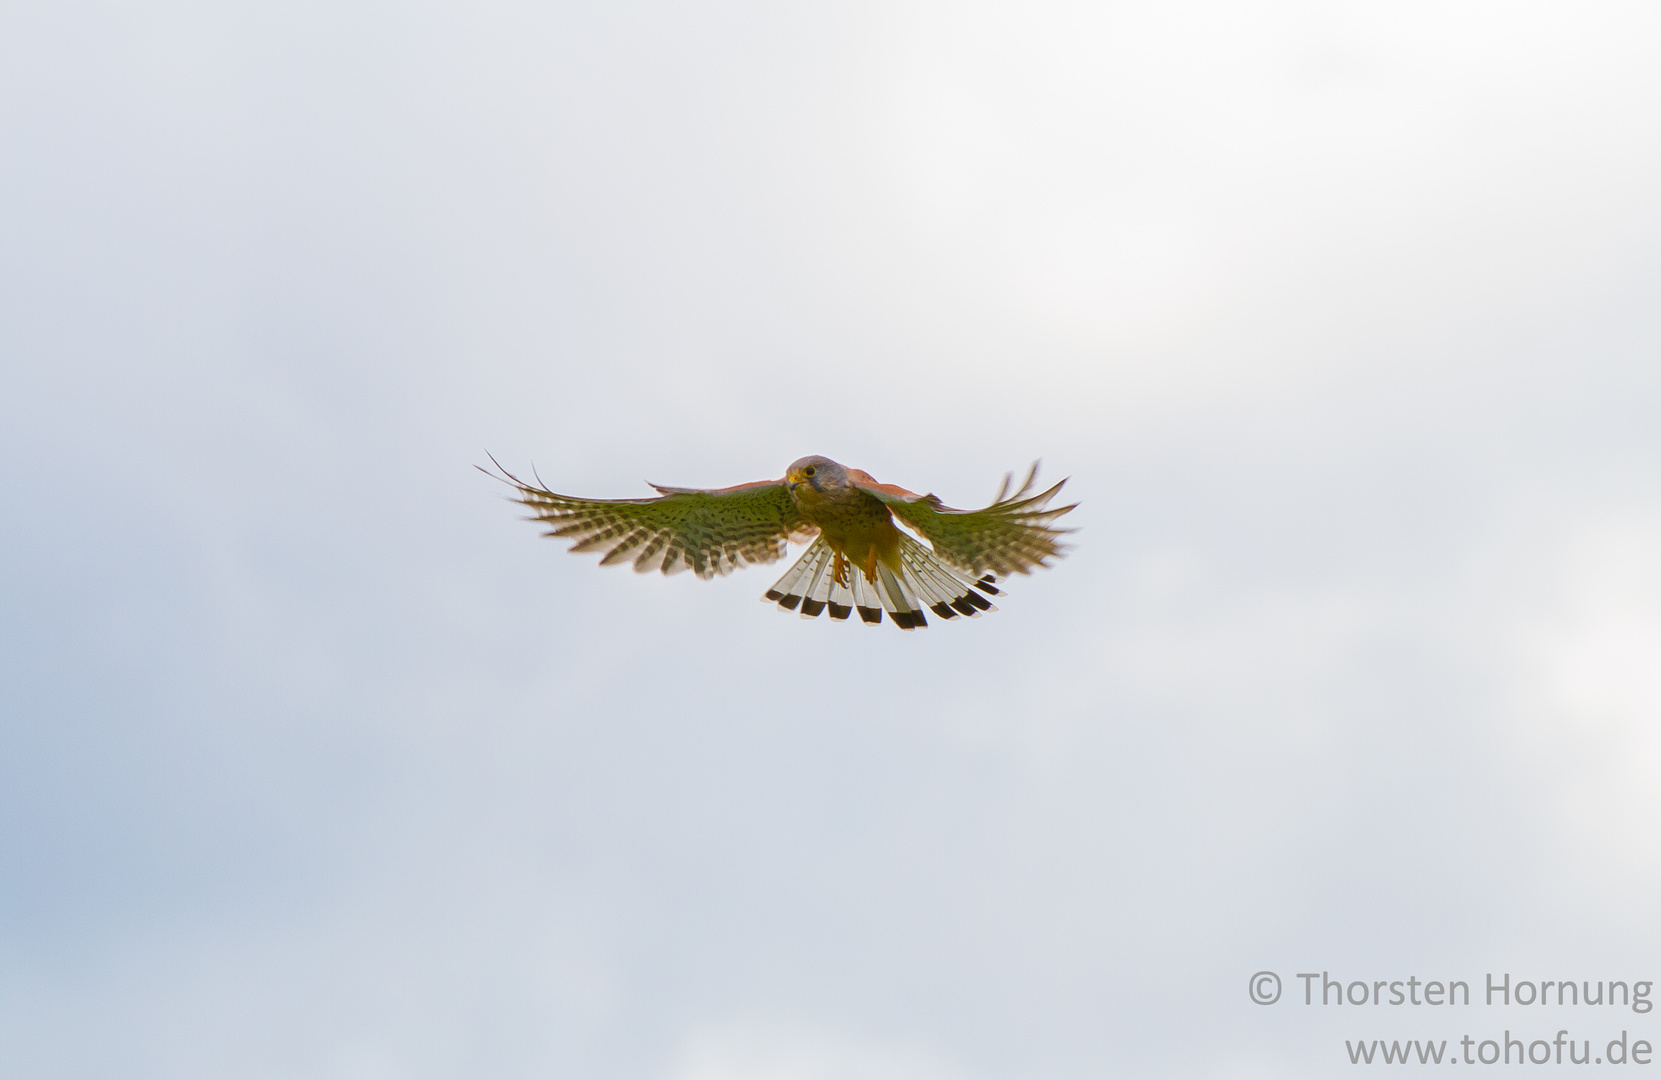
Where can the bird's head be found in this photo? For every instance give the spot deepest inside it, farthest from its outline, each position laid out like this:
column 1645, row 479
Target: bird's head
column 815, row 477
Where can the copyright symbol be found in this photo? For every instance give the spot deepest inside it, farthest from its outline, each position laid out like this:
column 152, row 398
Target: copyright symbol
column 1265, row 988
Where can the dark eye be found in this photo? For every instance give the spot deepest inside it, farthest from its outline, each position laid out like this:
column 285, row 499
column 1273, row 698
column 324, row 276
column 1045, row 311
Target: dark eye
column 809, row 471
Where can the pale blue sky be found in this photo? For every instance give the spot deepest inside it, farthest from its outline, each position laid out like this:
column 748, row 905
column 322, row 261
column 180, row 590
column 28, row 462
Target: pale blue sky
column 315, row 762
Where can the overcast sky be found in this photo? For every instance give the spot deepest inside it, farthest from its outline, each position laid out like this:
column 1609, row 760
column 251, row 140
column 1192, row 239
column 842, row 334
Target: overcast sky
column 316, row 762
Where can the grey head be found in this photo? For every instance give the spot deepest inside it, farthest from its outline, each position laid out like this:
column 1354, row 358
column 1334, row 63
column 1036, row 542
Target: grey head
column 819, row 474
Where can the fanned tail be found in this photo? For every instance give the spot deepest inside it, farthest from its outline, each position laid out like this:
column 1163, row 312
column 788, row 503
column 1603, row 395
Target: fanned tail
column 797, row 585
column 924, row 581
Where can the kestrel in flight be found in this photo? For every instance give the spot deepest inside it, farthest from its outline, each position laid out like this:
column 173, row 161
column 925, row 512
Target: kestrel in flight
column 858, row 561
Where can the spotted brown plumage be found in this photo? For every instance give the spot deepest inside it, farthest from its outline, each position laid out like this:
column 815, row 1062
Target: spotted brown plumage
column 1011, row 536
column 859, row 561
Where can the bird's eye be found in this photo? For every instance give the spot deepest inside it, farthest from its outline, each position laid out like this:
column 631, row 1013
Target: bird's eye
column 809, row 471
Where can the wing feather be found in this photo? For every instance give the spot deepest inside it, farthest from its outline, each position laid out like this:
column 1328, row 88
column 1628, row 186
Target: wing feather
column 709, row 532
column 1012, row 535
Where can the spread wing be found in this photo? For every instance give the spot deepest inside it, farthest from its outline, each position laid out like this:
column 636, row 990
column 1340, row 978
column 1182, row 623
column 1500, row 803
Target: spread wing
column 1012, row 535
column 707, row 531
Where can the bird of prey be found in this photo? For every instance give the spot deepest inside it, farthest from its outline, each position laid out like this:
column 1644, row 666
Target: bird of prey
column 858, row 561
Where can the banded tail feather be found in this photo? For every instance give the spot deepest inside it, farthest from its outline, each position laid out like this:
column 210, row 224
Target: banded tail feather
column 924, row 583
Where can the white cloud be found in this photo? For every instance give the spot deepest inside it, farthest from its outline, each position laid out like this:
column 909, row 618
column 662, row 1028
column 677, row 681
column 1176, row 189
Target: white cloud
column 1340, row 317
column 798, row 1053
